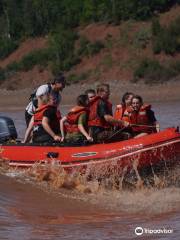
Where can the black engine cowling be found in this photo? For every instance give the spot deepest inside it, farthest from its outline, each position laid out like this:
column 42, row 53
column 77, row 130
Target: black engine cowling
column 7, row 129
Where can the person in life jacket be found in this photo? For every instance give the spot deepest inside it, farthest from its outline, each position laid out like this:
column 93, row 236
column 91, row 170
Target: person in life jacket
column 122, row 110
column 75, row 123
column 55, row 87
column 142, row 119
column 100, row 120
column 45, row 123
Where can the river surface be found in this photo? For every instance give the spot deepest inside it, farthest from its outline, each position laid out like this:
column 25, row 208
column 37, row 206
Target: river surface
column 31, row 210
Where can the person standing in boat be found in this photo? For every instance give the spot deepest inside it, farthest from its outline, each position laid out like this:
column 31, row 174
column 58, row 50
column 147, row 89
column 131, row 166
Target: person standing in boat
column 142, row 119
column 55, row 87
column 100, row 120
column 44, row 124
column 75, row 123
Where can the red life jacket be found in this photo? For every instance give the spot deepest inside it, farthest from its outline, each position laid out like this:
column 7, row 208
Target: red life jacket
column 38, row 116
column 141, row 118
column 71, row 125
column 122, row 113
column 94, row 119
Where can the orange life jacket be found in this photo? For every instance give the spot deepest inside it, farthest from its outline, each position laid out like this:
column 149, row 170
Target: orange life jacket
column 94, row 119
column 71, row 125
column 38, row 116
column 141, row 118
column 122, row 113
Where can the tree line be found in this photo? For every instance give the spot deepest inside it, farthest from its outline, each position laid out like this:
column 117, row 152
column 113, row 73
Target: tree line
column 21, row 18
column 58, row 19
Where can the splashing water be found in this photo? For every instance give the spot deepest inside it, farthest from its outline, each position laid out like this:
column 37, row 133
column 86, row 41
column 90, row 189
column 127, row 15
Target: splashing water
column 135, row 190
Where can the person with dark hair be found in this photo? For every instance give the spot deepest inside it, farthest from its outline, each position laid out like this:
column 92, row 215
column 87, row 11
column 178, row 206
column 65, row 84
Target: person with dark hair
column 101, row 120
column 75, row 123
column 56, row 85
column 91, row 93
column 121, row 111
column 127, row 98
column 142, row 119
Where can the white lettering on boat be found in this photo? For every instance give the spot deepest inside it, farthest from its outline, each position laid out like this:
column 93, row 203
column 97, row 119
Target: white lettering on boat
column 84, row 154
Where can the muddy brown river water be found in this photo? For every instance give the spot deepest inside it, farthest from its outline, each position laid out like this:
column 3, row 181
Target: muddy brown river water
column 33, row 211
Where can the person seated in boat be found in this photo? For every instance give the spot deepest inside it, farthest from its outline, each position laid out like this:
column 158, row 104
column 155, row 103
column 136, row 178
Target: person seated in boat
column 121, row 111
column 75, row 123
column 45, row 123
column 142, row 119
column 91, row 93
column 100, row 120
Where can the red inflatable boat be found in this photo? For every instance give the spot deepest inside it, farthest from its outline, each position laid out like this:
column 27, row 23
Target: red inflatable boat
column 145, row 151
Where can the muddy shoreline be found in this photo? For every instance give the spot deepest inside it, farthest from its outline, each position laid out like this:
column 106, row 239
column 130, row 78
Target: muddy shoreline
column 17, row 99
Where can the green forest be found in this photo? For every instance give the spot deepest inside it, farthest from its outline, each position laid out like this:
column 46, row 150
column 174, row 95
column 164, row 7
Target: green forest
column 59, row 19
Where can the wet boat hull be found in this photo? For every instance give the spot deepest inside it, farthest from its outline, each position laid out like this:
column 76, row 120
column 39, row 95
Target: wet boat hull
column 141, row 152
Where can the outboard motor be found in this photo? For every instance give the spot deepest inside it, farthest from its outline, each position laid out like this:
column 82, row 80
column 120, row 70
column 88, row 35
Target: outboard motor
column 7, row 129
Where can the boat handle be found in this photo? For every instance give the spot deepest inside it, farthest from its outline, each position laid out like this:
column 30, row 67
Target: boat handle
column 52, row 154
